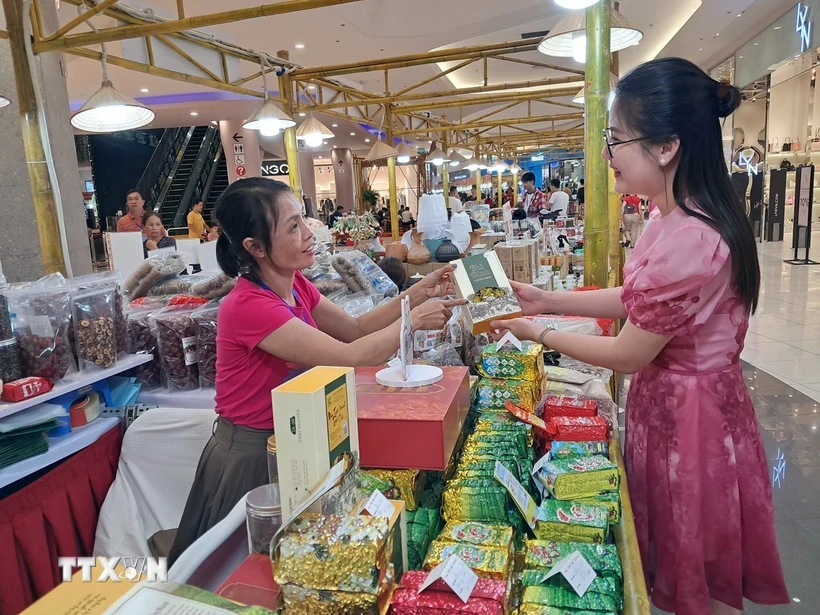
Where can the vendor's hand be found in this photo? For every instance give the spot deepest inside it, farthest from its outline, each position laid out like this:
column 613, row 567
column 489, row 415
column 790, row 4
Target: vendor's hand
column 436, row 284
column 532, row 300
column 433, row 315
column 521, row 328
column 150, row 244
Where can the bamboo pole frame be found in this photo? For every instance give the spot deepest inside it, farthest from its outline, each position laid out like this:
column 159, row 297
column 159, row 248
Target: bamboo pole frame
column 94, row 9
column 487, row 100
column 501, row 122
column 120, row 33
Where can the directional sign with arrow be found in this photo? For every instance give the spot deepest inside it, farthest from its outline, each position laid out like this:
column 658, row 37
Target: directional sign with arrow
column 237, row 136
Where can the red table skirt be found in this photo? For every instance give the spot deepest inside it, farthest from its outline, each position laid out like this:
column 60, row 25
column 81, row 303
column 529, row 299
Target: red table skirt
column 55, row 515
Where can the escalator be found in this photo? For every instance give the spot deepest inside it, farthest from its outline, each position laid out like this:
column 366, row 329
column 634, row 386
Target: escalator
column 173, row 196
column 218, row 185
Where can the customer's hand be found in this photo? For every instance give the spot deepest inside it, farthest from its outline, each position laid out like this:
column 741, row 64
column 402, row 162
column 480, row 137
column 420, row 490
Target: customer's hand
column 532, row 300
column 436, row 284
column 150, row 244
column 521, row 328
column 433, row 315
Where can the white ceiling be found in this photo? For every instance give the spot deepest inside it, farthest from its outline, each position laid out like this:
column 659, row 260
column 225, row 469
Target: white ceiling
column 372, row 29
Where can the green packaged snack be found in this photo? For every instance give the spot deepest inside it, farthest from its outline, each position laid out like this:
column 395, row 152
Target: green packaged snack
column 574, row 449
column 571, row 522
column 508, row 440
column 548, row 595
column 509, row 362
column 474, row 533
column 482, row 502
column 486, row 562
column 569, row 478
column 407, row 485
column 540, row 609
column 545, row 554
column 606, row 585
column 492, row 422
column 493, row 394
column 611, row 501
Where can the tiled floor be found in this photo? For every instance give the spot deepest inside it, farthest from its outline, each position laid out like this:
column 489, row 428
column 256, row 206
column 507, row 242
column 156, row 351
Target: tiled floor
column 782, row 368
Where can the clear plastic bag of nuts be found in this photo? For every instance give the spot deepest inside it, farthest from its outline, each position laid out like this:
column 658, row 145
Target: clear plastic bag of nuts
column 141, row 340
column 113, row 280
column 40, row 320
column 205, row 321
column 174, row 329
column 94, row 328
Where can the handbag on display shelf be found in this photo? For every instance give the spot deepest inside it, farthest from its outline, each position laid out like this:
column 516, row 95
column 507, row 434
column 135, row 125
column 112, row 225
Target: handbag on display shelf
column 774, row 146
column 796, row 147
column 787, row 145
column 815, row 142
column 789, row 199
column 787, row 165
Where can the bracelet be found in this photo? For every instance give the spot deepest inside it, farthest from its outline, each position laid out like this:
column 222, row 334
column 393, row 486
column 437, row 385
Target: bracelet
column 543, row 335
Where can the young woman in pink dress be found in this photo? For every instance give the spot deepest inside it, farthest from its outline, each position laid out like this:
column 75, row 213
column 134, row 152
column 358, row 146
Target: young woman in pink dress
column 697, row 471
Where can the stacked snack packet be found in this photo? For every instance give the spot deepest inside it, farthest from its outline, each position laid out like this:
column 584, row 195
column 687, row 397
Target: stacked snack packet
column 510, row 373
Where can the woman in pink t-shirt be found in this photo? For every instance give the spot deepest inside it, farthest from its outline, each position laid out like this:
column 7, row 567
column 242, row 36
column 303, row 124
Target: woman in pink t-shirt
column 273, row 325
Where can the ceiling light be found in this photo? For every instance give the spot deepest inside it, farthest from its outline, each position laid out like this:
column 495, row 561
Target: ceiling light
column 311, row 87
column 367, row 140
column 516, row 169
column 405, row 153
column 777, row 27
column 269, row 120
column 718, row 34
column 429, row 143
column 352, row 134
column 756, row 44
column 313, row 132
column 144, row 90
column 740, row 57
column 456, row 158
column 109, row 110
column 569, row 35
column 299, row 46
column 194, row 113
column 381, row 150
column 701, row 49
column 437, row 157
column 301, row 115
column 740, row 14
column 575, row 4
column 334, row 125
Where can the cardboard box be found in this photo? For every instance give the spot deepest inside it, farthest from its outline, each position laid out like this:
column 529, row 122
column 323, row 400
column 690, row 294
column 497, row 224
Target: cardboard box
column 315, row 420
column 482, row 282
column 519, row 259
column 79, row 598
column 415, row 428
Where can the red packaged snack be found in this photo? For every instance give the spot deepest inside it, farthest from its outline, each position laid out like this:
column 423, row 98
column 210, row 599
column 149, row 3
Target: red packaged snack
column 583, row 429
column 569, row 406
column 18, row 390
column 187, row 300
column 487, row 598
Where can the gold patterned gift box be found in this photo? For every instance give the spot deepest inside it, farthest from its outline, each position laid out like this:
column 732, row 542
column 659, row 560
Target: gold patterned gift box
column 509, row 362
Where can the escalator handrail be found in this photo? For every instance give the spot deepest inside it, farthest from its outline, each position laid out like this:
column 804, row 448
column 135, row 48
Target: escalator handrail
column 156, row 163
column 206, row 191
column 169, row 180
column 203, row 156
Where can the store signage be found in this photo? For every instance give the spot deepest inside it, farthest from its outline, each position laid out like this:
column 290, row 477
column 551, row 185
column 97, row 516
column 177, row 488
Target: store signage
column 460, row 175
column 756, row 204
column 775, row 215
column 803, row 202
column 745, row 162
column 803, row 27
column 272, row 168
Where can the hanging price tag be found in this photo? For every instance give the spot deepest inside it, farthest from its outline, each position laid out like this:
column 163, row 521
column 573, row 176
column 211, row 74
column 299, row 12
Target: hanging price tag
column 379, row 506
column 510, row 339
column 522, row 499
column 456, row 574
column 576, row 570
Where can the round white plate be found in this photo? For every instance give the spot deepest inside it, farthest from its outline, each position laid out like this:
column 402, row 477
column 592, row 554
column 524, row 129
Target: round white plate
column 417, row 376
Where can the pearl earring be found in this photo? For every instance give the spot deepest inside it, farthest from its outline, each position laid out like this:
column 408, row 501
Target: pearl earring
column 663, row 161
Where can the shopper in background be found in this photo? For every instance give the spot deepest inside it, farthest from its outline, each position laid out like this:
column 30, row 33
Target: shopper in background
column 533, row 199
column 335, row 216
column 473, row 194
column 581, row 195
column 454, row 203
column 131, row 222
column 197, row 229
column 407, row 219
column 632, row 219
column 559, row 200
column 155, row 236
column 395, row 270
column 272, row 326
column 698, row 477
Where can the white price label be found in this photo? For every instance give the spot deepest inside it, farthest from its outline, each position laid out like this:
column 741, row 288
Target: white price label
column 190, row 350
column 456, row 574
column 522, row 499
column 379, row 506
column 576, row 570
column 510, row 339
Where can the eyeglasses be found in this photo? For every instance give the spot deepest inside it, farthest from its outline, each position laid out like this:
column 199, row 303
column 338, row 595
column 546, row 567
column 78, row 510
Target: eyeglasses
column 610, row 142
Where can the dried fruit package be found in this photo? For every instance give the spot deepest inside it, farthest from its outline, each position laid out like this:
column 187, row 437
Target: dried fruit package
column 94, row 328
column 205, row 322
column 40, row 319
column 141, row 340
column 113, row 280
column 176, row 335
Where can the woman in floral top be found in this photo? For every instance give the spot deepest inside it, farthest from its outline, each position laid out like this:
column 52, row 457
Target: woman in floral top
column 697, row 471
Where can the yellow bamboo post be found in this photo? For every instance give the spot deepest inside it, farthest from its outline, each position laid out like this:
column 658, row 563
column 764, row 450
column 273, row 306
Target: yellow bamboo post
column 445, row 176
column 478, row 185
column 596, row 223
column 391, row 175
column 291, row 147
column 42, row 193
column 500, row 186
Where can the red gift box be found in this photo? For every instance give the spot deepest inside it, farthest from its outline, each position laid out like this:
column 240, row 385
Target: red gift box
column 584, row 429
column 415, row 428
column 252, row 584
column 487, row 598
column 555, row 406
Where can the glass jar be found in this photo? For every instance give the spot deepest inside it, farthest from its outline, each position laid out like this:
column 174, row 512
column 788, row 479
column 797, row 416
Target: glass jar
column 10, row 368
column 263, row 511
column 273, row 469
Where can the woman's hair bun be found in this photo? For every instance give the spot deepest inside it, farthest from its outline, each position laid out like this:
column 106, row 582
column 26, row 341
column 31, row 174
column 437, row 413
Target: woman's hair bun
column 728, row 99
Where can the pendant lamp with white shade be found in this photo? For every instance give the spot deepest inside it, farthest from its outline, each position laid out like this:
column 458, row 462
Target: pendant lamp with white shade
column 576, row 5
column 568, row 38
column 109, row 110
column 268, row 119
column 437, row 157
column 4, row 101
column 406, row 153
column 380, row 151
column 313, row 132
column 455, row 158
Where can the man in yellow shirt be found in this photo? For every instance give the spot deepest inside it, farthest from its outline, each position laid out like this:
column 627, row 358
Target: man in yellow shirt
column 197, row 229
